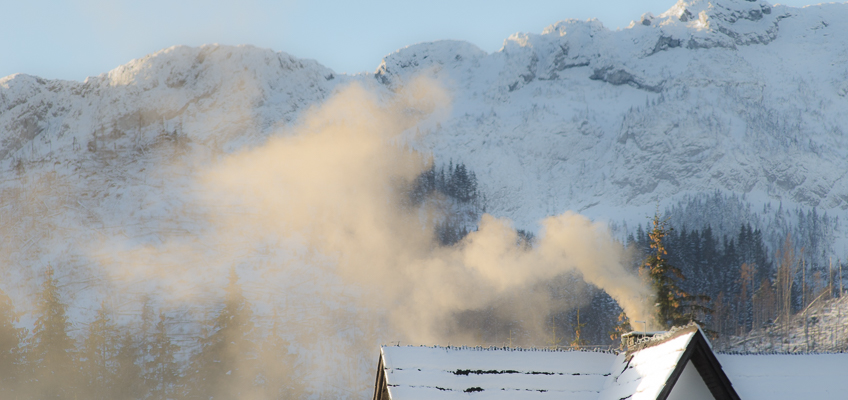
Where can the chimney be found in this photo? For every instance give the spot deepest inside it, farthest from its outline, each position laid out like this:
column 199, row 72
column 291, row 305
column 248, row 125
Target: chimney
column 629, row 340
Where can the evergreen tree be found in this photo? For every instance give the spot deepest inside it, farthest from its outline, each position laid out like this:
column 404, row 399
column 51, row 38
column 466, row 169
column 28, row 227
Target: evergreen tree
column 461, row 182
column 441, row 184
column 11, row 354
column 279, row 368
column 674, row 306
column 641, row 238
column 747, row 287
column 785, row 280
column 163, row 373
column 423, row 186
column 450, row 232
column 450, row 189
column 145, row 342
column 54, row 375
column 579, row 340
column 620, row 327
column 473, row 185
column 710, row 260
column 223, row 367
column 96, row 356
column 526, row 239
column 128, row 382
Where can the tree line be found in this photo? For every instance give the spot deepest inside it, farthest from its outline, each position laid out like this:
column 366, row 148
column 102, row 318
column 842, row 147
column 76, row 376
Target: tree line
column 139, row 361
column 454, row 180
column 742, row 284
column 456, row 185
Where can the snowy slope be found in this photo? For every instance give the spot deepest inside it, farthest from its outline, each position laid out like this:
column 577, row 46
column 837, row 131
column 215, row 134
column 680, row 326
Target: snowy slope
column 737, row 96
column 819, row 327
column 743, row 97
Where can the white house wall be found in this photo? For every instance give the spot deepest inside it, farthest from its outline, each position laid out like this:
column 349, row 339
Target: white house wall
column 690, row 386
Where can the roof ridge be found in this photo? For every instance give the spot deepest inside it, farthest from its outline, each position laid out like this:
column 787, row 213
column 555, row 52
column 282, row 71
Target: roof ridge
column 598, row 349
column 672, row 333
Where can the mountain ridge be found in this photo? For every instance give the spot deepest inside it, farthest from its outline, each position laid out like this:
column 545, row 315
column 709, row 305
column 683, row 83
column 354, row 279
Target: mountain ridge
column 649, row 86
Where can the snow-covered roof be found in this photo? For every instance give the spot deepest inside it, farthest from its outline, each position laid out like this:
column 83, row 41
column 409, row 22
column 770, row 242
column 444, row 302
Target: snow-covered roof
column 643, row 374
column 649, row 370
column 489, row 373
column 677, row 364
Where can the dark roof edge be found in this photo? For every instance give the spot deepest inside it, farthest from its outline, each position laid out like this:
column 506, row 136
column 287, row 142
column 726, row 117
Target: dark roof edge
column 381, row 388
column 700, row 353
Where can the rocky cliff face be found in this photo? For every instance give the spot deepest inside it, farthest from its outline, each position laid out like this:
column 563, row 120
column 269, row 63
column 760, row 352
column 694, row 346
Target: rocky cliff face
column 736, row 96
column 175, row 85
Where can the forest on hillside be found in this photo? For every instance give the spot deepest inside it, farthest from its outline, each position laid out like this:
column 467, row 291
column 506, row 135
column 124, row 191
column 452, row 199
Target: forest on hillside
column 754, row 267
column 140, row 360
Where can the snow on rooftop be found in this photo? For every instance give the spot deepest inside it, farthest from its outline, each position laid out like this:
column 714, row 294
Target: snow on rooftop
column 643, row 373
column 640, row 373
column 448, row 372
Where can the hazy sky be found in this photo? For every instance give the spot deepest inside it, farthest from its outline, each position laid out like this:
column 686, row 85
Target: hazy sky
column 78, row 38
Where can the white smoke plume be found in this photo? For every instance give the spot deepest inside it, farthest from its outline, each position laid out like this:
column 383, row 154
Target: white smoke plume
column 316, row 227
column 330, row 184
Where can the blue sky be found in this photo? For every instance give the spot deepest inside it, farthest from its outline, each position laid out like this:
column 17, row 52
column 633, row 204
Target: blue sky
column 78, row 38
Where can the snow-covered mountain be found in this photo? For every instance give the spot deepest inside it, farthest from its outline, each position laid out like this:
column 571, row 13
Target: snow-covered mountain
column 735, row 97
column 739, row 96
